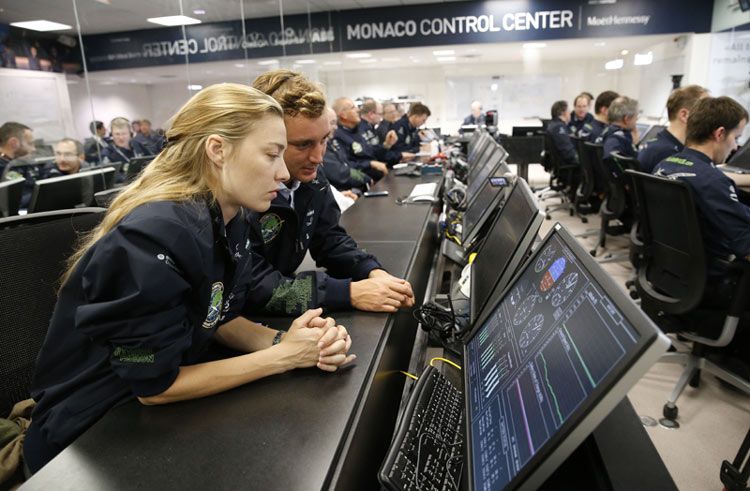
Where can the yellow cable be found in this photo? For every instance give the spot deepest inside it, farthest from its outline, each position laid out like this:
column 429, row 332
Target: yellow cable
column 410, row 375
column 446, row 361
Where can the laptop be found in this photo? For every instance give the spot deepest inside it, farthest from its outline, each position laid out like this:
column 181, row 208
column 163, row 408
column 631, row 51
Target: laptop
column 648, row 133
column 739, row 163
column 544, row 364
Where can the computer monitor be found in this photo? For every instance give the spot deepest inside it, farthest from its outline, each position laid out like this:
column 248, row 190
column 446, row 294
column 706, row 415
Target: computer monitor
column 527, row 130
column 524, row 149
column 57, row 193
column 482, row 208
column 10, row 196
column 547, row 362
column 650, row 133
column 135, row 166
column 479, row 174
column 472, row 143
column 741, row 158
column 642, row 130
column 94, row 181
column 505, row 246
column 479, row 149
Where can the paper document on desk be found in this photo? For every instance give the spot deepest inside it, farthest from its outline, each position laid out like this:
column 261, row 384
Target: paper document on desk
column 424, row 190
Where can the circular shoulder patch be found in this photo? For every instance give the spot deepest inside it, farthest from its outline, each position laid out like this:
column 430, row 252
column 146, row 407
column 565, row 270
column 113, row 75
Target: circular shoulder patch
column 270, row 226
column 214, row 306
column 356, row 147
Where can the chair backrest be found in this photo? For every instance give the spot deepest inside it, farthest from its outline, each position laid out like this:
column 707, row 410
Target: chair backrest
column 34, row 249
column 588, row 178
column 673, row 273
column 552, row 159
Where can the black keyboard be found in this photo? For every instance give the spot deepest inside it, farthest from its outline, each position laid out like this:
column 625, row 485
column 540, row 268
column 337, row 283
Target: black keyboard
column 427, row 451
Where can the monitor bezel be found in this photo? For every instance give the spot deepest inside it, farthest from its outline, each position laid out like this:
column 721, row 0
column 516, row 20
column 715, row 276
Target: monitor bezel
column 519, row 253
column 493, row 161
column 481, row 147
column 604, row 397
column 469, row 236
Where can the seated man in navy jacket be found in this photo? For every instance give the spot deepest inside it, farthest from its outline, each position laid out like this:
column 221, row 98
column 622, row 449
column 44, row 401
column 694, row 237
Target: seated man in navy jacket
column 618, row 136
column 590, row 131
column 69, row 158
column 407, row 128
column 560, row 134
column 371, row 118
column 360, row 153
column 671, row 140
column 350, row 181
column 304, row 216
column 476, row 117
column 581, row 114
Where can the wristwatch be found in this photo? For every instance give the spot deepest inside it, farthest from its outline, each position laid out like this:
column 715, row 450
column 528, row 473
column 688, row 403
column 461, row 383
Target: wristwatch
column 277, row 338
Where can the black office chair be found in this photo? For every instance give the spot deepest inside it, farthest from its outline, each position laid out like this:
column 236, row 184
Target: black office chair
column 34, row 250
column 672, row 278
column 563, row 178
column 617, row 204
column 104, row 198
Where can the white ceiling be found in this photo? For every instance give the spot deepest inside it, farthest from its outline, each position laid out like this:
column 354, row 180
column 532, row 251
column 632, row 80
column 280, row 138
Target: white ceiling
column 98, row 16
column 467, row 55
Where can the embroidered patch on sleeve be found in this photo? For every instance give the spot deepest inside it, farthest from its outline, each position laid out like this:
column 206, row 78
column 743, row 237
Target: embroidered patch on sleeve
column 291, row 296
column 133, row 355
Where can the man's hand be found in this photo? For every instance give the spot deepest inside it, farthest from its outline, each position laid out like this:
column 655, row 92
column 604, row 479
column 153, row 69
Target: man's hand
column 390, row 139
column 379, row 166
column 381, row 293
column 350, row 194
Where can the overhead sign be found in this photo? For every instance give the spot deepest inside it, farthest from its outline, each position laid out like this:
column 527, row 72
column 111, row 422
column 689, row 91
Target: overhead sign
column 397, row 27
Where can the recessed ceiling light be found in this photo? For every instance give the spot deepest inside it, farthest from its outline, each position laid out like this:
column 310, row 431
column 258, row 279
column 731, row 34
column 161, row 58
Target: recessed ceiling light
column 390, row 59
column 624, row 52
column 416, row 60
column 41, row 25
column 331, row 63
column 199, row 11
column 174, row 20
column 304, row 62
column 195, row 87
column 444, row 52
column 600, row 44
column 268, row 62
column 358, row 55
column 534, row 45
column 239, row 65
column 445, row 59
column 368, row 60
column 614, row 64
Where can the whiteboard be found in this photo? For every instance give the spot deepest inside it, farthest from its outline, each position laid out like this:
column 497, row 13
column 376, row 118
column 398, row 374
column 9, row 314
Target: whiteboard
column 37, row 99
column 513, row 96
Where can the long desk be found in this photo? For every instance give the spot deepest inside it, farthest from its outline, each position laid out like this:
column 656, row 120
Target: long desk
column 312, row 430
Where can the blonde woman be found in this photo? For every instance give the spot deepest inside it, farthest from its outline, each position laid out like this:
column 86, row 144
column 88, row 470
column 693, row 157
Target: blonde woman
column 150, row 287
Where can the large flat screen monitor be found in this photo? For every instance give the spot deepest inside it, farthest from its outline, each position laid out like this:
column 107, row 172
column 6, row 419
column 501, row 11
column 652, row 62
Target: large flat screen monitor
column 547, row 362
column 57, row 193
column 505, row 246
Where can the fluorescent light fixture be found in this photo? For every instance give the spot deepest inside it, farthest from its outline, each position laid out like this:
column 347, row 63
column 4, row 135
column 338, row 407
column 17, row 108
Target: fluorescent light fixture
column 614, row 64
column 534, row 45
column 304, row 62
column 416, row 60
column 331, row 63
column 444, row 52
column 368, row 60
column 390, row 59
column 493, row 87
column 41, row 25
column 199, row 11
column 624, row 52
column 195, row 87
column 239, row 65
column 268, row 62
column 173, row 20
column 600, row 44
column 358, row 55
column 445, row 59
column 644, row 58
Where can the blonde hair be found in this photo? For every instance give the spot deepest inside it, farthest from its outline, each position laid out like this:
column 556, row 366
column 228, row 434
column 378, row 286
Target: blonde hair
column 119, row 122
column 294, row 92
column 183, row 171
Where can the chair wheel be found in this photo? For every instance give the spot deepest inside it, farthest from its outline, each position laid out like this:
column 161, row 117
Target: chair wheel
column 634, row 295
column 548, row 217
column 584, row 220
column 571, row 212
column 670, row 411
column 695, row 380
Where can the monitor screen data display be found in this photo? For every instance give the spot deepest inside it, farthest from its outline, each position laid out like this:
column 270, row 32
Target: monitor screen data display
column 547, row 345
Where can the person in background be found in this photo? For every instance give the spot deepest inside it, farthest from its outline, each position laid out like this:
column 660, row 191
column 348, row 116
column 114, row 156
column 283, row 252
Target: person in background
column 621, row 132
column 371, row 115
column 16, row 141
column 560, row 133
column 149, row 139
column 671, row 139
column 148, row 291
column 407, row 128
column 304, row 216
column 349, row 181
column 477, row 117
column 590, row 131
column 390, row 116
column 581, row 114
column 136, row 127
column 360, row 153
column 69, row 158
column 94, row 146
column 122, row 148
